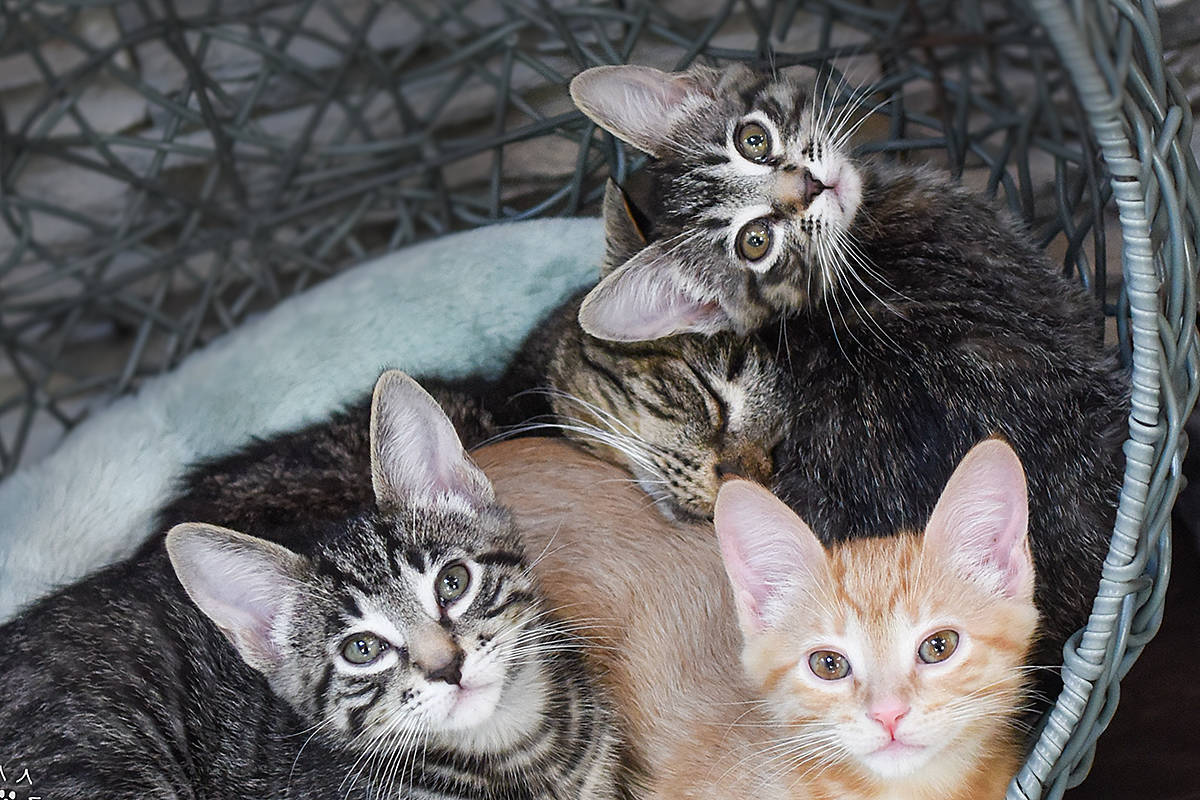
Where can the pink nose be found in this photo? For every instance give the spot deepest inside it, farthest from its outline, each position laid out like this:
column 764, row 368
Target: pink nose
column 888, row 714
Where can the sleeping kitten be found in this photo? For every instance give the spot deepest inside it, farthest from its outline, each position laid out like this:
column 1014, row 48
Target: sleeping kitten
column 919, row 319
column 401, row 652
column 881, row 668
column 680, row 413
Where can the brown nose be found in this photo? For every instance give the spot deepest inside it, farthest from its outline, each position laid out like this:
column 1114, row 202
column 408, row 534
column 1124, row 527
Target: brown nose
column 812, row 187
column 436, row 654
column 797, row 188
column 449, row 672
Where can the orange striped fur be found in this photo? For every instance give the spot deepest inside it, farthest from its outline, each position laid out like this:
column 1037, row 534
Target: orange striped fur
column 653, row 599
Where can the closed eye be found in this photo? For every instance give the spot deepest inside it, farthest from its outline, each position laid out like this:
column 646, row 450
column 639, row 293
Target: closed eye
column 714, row 404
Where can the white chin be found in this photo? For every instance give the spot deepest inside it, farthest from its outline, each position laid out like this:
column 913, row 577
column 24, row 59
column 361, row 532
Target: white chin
column 897, row 763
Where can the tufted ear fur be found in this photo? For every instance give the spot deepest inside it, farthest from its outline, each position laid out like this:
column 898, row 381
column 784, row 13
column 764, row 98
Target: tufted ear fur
column 980, row 523
column 245, row 585
column 623, row 234
column 646, row 299
column 638, row 104
column 770, row 554
column 416, row 456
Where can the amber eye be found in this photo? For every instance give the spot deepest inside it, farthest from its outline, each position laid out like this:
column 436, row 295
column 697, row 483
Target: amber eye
column 753, row 141
column 754, row 240
column 829, row 665
column 939, row 647
column 452, row 582
column 363, row 648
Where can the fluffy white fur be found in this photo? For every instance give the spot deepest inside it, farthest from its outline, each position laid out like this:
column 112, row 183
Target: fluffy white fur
column 450, row 307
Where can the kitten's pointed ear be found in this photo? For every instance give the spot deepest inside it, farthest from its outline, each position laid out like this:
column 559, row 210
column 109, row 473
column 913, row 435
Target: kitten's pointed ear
column 644, row 300
column 768, row 551
column 245, row 585
column 637, row 104
column 623, row 236
column 416, row 455
column 980, row 523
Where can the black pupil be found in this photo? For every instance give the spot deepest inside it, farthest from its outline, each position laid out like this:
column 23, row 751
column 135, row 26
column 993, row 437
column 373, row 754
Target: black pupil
column 938, row 645
column 755, row 141
column 755, row 238
column 451, row 583
column 363, row 647
column 830, row 662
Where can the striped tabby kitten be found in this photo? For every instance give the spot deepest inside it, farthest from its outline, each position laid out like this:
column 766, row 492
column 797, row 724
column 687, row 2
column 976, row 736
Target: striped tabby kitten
column 917, row 319
column 402, row 652
column 680, row 413
column 879, row 668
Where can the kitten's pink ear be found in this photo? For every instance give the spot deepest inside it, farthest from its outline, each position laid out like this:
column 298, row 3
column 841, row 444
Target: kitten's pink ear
column 245, row 585
column 637, row 104
column 416, row 455
column 645, row 299
column 981, row 521
column 769, row 552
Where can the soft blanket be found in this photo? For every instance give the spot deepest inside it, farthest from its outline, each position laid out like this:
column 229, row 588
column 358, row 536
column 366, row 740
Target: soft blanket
column 455, row 306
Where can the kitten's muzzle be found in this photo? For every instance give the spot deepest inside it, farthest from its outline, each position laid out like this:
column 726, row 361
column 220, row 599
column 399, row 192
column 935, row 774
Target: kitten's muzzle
column 797, row 189
column 437, row 655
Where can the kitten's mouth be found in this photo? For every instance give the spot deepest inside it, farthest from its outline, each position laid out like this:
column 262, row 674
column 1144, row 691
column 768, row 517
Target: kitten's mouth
column 897, row 747
column 466, row 694
column 896, row 758
column 469, row 705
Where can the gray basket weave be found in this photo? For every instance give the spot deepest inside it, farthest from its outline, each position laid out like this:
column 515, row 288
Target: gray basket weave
column 168, row 167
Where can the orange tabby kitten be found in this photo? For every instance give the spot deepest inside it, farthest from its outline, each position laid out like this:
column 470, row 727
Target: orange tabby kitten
column 885, row 668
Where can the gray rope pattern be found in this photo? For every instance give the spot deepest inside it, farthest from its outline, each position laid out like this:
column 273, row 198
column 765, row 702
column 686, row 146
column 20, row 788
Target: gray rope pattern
column 409, row 119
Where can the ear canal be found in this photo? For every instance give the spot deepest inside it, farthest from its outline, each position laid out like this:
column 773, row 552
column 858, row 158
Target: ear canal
column 623, row 237
column 416, row 455
column 636, row 104
column 644, row 300
column 245, row 585
column 770, row 553
column 980, row 523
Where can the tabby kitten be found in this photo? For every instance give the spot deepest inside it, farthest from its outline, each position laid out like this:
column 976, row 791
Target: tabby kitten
column 887, row 667
column 918, row 318
column 681, row 413
column 402, row 652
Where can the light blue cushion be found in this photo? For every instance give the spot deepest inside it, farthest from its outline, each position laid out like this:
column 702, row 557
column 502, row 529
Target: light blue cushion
column 454, row 306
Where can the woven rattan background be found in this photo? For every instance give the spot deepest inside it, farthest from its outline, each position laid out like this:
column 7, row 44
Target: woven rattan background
column 168, row 167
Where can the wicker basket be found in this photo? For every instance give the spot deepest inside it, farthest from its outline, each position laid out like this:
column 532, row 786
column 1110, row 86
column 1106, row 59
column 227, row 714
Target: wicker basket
column 168, row 167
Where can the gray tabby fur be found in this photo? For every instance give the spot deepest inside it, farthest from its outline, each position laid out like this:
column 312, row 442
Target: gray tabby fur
column 912, row 323
column 680, row 413
column 229, row 681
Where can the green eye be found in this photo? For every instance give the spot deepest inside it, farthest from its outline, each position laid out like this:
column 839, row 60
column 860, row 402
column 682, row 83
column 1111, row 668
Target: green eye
column 754, row 240
column 753, row 141
column 452, row 582
column 363, row 648
column 939, row 647
column 829, row 665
